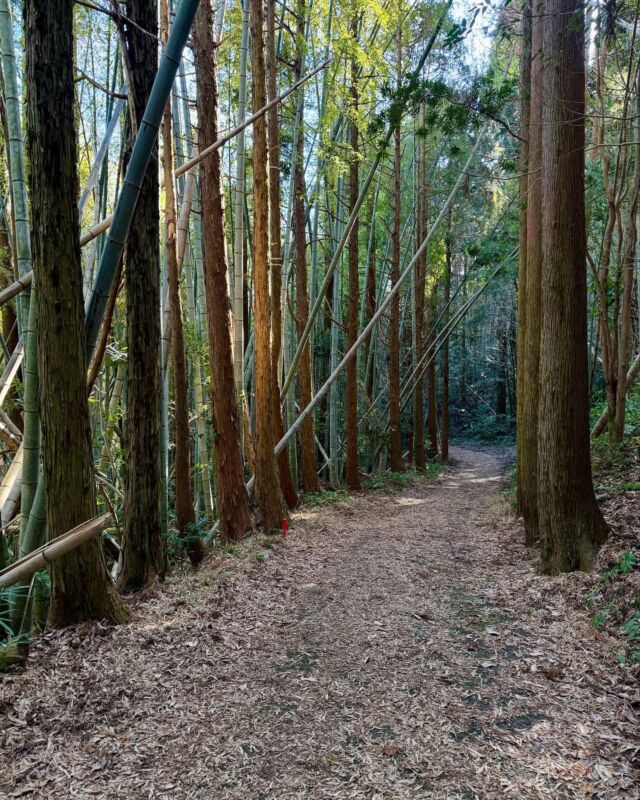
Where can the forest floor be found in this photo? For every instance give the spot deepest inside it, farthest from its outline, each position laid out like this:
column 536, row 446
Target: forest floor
column 398, row 644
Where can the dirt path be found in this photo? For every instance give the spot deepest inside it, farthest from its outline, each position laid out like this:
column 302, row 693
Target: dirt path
column 397, row 645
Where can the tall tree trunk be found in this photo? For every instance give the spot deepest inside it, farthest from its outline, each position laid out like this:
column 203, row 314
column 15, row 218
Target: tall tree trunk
column 523, row 165
column 627, row 274
column 351, row 398
column 273, row 127
column 232, row 501
column 395, row 434
column 310, row 481
column 570, row 523
column 501, row 366
column 432, row 313
column 81, row 586
column 528, row 463
column 185, row 514
column 444, row 432
column 420, row 278
column 142, row 556
column 268, row 493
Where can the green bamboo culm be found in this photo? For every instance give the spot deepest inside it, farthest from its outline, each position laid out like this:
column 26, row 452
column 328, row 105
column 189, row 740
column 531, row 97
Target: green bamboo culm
column 145, row 140
column 143, row 146
column 16, row 157
column 25, row 305
column 31, row 432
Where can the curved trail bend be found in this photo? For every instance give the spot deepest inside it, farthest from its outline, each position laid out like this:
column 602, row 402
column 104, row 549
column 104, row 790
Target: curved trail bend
column 397, row 645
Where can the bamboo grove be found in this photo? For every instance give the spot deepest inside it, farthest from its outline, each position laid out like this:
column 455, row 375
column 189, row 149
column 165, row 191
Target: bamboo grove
column 254, row 250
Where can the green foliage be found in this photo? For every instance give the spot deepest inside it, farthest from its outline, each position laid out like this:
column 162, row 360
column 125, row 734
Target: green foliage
column 315, row 499
column 631, row 629
column 483, row 427
column 626, row 563
column 393, row 481
column 603, row 615
column 177, row 546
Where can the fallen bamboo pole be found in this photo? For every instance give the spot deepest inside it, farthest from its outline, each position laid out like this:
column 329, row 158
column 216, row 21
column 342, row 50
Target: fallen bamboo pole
column 60, row 546
column 16, row 287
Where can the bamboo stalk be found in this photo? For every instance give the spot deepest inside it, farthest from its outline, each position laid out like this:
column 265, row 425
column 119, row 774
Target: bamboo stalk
column 16, row 287
column 143, row 146
column 388, row 299
column 238, row 221
column 302, row 340
column 60, row 546
column 10, row 371
column 16, row 153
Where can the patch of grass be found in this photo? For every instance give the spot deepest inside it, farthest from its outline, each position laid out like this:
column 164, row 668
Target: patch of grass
column 267, row 543
column 398, row 480
column 626, row 563
column 602, row 616
column 314, row 499
column 631, row 630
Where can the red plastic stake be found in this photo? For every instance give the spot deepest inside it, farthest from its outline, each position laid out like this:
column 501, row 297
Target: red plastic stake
column 284, row 528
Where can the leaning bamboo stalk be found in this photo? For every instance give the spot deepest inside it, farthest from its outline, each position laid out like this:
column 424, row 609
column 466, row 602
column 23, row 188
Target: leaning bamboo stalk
column 388, row 299
column 302, row 340
column 10, row 506
column 145, row 141
column 24, row 568
column 11, row 476
column 15, row 288
column 95, row 231
column 10, row 371
column 193, row 162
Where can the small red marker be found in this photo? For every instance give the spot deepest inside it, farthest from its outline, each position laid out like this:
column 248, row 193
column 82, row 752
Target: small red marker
column 284, row 528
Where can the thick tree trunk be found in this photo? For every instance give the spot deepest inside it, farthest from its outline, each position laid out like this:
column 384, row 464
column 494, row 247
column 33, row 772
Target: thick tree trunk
column 351, row 396
column 232, row 501
column 268, row 493
column 81, row 586
column 185, row 514
column 528, row 463
column 523, row 165
column 570, row 523
column 142, row 556
column 273, row 128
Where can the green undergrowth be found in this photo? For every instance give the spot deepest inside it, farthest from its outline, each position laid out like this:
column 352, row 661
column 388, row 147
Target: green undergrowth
column 510, row 487
column 481, row 426
column 613, row 609
column 393, row 481
column 329, row 496
column 613, row 600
